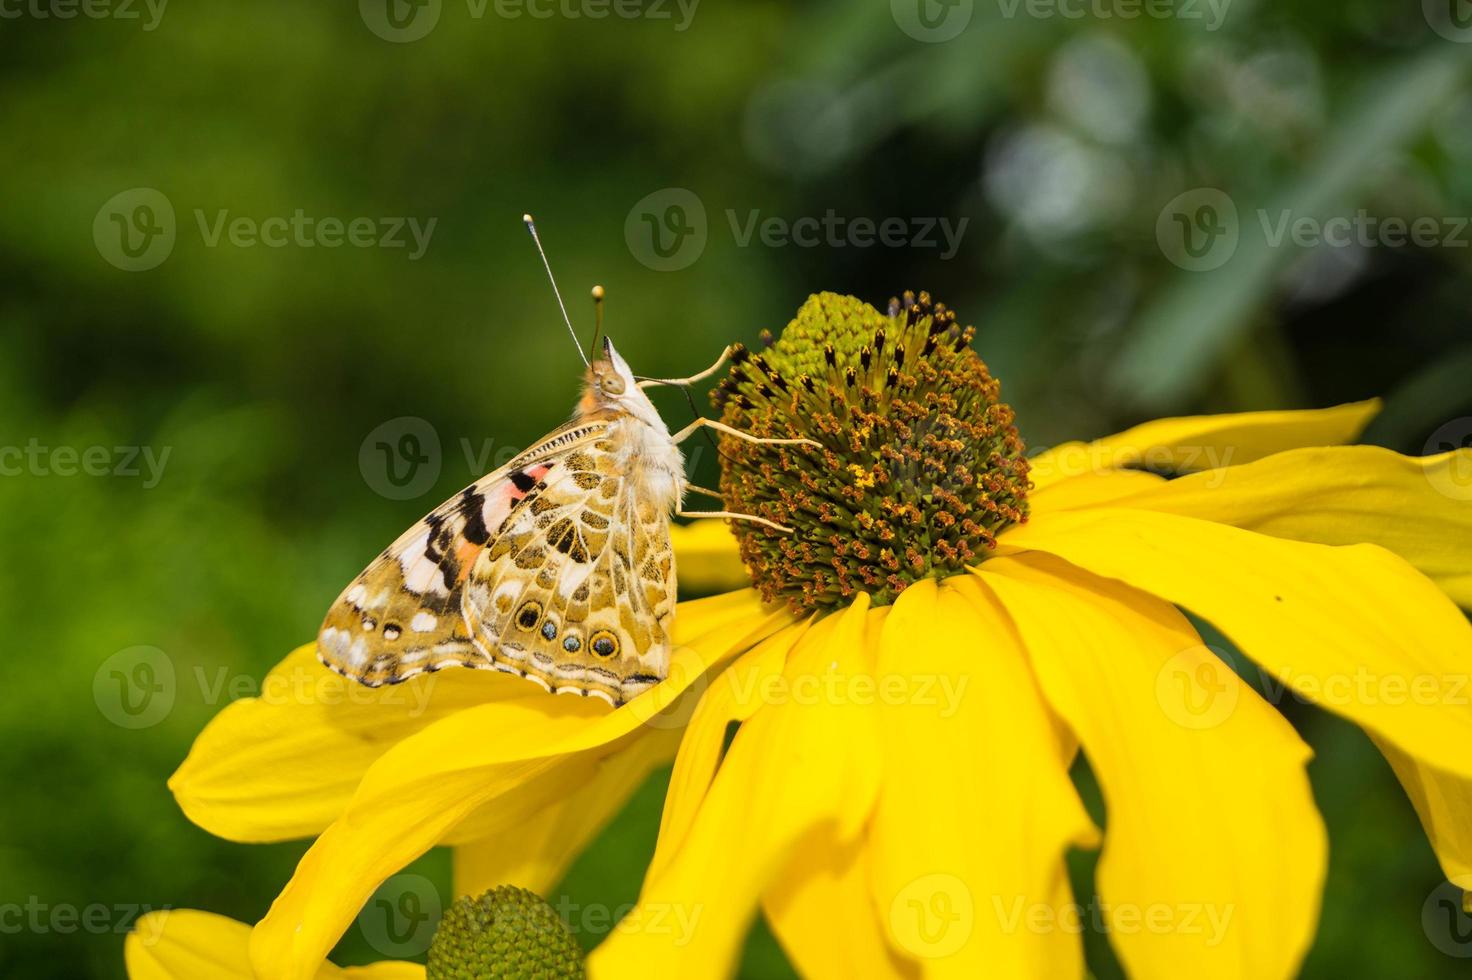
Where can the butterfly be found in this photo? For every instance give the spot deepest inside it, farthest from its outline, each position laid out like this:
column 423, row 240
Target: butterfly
column 557, row 567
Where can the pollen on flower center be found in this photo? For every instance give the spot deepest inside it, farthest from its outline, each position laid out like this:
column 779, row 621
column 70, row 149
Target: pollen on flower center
column 921, row 465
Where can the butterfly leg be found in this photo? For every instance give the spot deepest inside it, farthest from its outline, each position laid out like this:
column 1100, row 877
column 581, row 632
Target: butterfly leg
column 709, row 493
column 735, row 517
column 684, row 382
column 704, row 423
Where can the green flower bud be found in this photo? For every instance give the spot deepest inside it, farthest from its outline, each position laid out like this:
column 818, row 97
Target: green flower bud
column 508, row 933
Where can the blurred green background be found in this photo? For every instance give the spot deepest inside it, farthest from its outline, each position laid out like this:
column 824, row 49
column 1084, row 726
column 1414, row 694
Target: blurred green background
column 1063, row 134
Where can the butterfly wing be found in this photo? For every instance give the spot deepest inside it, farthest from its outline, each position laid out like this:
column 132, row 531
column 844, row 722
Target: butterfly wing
column 578, row 592
column 402, row 615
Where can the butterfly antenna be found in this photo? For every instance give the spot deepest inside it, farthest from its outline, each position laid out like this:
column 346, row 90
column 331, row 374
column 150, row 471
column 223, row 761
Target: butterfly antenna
column 532, row 227
column 597, row 316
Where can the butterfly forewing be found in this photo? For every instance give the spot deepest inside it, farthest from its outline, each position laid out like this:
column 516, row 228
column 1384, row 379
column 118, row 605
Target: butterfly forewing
column 402, row 615
column 550, row 568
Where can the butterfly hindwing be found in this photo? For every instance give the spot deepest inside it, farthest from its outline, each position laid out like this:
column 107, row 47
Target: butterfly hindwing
column 402, row 615
column 578, row 590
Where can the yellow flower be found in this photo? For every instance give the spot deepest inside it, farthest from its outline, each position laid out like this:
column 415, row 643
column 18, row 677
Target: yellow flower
column 182, row 944
column 516, row 781
column 896, row 798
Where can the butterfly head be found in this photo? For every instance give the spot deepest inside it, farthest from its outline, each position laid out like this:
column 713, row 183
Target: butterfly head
column 611, row 386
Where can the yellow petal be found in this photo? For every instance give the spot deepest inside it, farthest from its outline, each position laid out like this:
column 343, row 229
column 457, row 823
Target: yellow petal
column 1091, row 489
column 976, row 810
column 549, row 837
column 733, row 696
column 284, row 764
column 1205, row 442
column 1214, row 855
column 1444, row 803
column 1418, row 507
column 182, row 944
column 821, row 908
column 1355, row 629
column 803, row 768
column 707, row 557
column 430, row 782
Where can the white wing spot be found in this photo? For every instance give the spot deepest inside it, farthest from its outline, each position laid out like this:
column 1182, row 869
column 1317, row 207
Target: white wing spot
column 335, row 640
column 423, row 622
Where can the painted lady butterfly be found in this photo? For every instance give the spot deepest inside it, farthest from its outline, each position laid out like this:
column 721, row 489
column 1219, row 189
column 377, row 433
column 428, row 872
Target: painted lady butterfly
column 556, row 567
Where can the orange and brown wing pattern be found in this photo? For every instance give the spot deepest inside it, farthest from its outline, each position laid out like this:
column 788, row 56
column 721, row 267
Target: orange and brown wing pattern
column 402, row 615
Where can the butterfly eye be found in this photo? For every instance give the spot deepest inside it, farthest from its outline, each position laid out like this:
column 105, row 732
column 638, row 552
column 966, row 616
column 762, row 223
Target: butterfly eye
column 529, row 614
column 604, row 644
column 611, row 384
